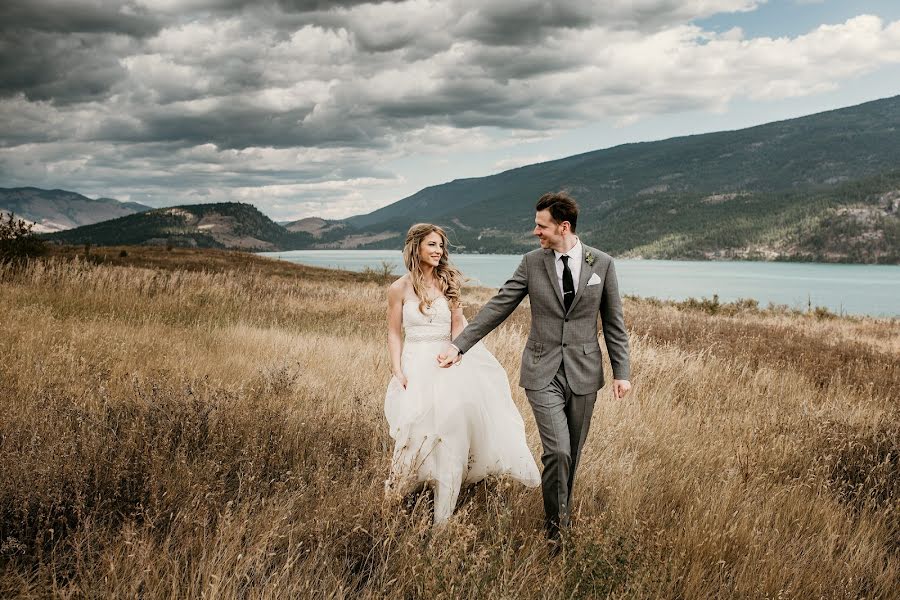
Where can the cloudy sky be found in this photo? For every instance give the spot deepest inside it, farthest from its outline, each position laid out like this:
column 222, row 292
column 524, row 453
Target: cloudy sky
column 333, row 108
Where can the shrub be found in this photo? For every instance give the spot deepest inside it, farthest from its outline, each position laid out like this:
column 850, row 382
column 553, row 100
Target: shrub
column 383, row 273
column 17, row 242
column 821, row 312
column 703, row 304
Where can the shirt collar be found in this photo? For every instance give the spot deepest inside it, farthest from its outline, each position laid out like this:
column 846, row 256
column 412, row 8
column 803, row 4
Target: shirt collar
column 574, row 253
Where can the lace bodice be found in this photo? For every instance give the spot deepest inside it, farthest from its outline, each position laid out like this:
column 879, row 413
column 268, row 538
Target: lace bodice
column 433, row 326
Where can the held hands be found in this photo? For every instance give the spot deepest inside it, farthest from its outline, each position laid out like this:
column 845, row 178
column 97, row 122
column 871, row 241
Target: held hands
column 448, row 357
column 620, row 388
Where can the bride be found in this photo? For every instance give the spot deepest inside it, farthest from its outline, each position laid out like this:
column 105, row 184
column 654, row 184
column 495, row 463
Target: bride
column 450, row 426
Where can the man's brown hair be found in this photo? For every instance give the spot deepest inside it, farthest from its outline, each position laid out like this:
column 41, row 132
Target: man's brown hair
column 562, row 207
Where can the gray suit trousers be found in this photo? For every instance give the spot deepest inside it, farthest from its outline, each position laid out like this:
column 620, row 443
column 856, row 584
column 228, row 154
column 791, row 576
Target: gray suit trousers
column 563, row 419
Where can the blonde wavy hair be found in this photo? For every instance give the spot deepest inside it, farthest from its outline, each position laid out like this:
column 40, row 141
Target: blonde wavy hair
column 450, row 279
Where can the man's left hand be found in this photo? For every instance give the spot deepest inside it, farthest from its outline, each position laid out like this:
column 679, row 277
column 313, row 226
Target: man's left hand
column 620, row 388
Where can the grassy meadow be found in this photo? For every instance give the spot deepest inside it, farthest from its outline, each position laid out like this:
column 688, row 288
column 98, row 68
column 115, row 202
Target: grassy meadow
column 206, row 424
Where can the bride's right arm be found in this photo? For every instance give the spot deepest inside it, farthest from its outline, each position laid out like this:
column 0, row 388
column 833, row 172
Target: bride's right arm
column 395, row 324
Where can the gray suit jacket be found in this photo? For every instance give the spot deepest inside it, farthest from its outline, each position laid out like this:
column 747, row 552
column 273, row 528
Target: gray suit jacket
column 557, row 336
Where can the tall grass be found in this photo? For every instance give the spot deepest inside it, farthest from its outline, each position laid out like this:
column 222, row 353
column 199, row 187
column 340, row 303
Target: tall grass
column 194, row 424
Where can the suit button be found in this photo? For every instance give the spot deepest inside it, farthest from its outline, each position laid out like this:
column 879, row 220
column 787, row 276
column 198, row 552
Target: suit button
column 565, row 345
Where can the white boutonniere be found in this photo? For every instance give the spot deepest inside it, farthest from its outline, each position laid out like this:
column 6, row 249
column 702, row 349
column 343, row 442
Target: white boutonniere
column 589, row 259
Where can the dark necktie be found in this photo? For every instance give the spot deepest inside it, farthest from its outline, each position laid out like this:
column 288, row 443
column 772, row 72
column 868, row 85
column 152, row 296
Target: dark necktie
column 568, row 284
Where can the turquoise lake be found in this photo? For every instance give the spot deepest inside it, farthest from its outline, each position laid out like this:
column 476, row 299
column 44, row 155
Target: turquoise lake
column 849, row 289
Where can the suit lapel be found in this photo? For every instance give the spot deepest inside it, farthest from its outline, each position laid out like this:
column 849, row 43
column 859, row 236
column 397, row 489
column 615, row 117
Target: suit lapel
column 550, row 263
column 586, row 271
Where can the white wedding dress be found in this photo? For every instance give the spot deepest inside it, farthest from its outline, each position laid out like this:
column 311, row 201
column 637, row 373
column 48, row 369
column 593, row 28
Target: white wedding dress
column 451, row 426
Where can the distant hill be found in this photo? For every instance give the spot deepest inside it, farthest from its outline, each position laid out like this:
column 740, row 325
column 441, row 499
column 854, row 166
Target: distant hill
column 335, row 234
column 56, row 210
column 823, row 187
column 312, row 225
column 230, row 225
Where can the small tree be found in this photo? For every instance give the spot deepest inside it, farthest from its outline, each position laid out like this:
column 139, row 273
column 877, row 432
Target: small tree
column 387, row 268
column 17, row 242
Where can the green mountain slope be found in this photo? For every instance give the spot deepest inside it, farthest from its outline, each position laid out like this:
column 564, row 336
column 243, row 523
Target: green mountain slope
column 814, row 188
column 222, row 225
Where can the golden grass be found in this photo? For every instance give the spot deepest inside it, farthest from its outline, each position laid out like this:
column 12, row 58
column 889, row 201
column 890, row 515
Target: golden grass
column 201, row 424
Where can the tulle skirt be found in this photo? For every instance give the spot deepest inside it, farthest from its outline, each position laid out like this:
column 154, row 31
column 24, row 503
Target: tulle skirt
column 454, row 426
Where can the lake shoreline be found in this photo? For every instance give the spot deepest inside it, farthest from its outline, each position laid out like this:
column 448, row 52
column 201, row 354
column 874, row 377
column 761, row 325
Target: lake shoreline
column 708, row 259
column 862, row 290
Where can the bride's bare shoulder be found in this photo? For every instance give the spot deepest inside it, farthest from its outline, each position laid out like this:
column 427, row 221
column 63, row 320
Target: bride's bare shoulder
column 399, row 288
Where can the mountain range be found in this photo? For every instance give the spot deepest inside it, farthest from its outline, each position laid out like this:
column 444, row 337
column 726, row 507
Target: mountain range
column 821, row 187
column 56, row 210
column 824, row 187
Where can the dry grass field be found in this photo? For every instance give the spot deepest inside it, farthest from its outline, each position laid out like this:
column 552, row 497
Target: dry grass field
column 191, row 424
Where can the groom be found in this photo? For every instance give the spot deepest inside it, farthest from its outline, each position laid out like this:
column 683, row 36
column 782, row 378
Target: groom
column 569, row 284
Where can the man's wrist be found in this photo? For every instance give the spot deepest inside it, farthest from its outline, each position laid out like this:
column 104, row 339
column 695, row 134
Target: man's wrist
column 458, row 351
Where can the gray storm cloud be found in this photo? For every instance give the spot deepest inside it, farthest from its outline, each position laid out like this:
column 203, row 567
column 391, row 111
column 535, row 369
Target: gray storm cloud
column 308, row 100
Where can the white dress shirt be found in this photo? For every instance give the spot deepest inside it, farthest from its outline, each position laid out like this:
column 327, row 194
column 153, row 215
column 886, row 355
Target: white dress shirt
column 575, row 256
